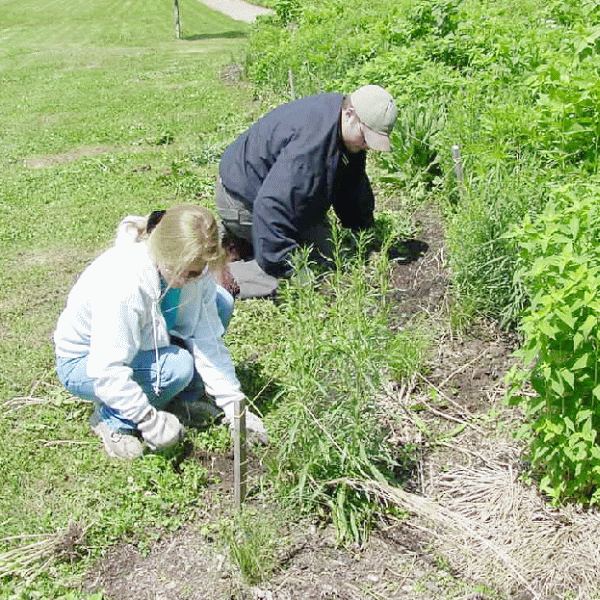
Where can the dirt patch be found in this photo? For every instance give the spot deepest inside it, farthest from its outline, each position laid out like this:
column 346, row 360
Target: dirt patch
column 63, row 158
column 182, row 566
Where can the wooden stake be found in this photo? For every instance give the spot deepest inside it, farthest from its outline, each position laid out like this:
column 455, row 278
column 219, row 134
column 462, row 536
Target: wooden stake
column 239, row 452
column 291, row 81
column 458, row 167
column 177, row 18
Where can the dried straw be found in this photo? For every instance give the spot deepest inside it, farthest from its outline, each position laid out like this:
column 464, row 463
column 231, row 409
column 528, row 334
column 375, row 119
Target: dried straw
column 494, row 529
column 446, row 524
column 556, row 550
column 489, row 525
column 30, row 559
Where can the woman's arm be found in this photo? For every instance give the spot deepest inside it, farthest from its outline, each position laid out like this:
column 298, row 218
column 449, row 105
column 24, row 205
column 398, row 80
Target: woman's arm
column 116, row 333
column 199, row 325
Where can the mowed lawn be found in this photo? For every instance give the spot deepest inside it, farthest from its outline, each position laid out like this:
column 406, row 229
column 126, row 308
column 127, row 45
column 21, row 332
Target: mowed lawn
column 103, row 113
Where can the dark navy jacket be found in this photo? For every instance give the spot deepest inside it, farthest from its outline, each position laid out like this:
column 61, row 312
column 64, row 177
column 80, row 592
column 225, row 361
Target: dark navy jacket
column 289, row 168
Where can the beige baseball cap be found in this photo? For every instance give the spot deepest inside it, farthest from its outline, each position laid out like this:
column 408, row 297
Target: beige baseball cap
column 377, row 111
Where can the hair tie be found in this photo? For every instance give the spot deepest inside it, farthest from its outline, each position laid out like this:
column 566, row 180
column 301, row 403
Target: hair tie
column 154, row 219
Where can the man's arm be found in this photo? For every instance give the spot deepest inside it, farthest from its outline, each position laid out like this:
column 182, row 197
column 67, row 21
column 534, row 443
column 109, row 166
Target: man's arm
column 354, row 202
column 274, row 227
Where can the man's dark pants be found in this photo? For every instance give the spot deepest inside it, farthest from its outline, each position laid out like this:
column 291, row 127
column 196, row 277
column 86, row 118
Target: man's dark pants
column 236, row 220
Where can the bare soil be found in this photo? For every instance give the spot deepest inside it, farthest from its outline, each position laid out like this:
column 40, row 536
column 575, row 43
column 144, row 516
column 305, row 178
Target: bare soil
column 400, row 560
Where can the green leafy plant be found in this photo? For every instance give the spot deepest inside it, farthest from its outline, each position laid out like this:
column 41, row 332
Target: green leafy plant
column 560, row 268
column 288, row 11
column 339, row 351
column 568, row 102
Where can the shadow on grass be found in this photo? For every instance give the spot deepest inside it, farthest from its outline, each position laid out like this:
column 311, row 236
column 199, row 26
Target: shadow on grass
column 403, row 250
column 210, row 36
column 260, row 390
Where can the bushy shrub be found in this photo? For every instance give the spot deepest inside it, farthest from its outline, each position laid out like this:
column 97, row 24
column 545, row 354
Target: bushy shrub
column 318, row 45
column 560, row 269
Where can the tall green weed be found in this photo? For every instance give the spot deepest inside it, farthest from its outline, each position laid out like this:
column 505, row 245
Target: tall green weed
column 337, row 355
column 560, row 269
column 483, row 260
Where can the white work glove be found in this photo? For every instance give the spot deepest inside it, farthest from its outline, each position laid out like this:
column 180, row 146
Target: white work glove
column 255, row 429
column 160, row 429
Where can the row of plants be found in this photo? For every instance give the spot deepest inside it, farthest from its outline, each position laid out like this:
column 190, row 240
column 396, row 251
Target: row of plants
column 514, row 87
column 340, row 354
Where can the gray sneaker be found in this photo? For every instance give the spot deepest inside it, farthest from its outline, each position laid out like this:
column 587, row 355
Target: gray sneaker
column 202, row 412
column 119, row 444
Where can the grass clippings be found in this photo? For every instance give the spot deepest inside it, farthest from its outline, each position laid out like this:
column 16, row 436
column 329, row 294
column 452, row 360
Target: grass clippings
column 555, row 550
column 491, row 527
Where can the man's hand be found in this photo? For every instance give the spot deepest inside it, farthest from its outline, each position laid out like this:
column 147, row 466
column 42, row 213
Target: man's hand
column 237, row 248
column 229, row 282
column 160, row 429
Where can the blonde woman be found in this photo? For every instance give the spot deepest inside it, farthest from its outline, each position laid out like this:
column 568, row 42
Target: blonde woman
column 142, row 331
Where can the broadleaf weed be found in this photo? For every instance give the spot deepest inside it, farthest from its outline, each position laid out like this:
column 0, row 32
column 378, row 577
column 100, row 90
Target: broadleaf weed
column 560, row 270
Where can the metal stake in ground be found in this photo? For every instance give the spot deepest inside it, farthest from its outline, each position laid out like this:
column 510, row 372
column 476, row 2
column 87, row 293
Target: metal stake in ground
column 239, row 452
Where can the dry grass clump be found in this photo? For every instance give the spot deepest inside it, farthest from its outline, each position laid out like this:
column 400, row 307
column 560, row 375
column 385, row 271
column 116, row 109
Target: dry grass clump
column 484, row 520
column 554, row 551
column 31, row 558
column 493, row 529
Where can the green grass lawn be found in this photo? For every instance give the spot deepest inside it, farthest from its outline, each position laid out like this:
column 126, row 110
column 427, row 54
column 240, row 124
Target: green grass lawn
column 104, row 113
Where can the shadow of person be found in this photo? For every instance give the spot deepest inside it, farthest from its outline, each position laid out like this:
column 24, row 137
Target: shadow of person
column 402, row 250
column 262, row 392
column 212, row 36
column 408, row 251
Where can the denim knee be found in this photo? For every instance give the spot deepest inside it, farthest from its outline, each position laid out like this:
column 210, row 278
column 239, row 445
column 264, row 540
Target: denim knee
column 176, row 372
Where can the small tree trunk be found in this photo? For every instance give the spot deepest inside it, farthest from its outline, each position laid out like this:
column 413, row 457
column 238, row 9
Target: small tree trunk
column 177, row 19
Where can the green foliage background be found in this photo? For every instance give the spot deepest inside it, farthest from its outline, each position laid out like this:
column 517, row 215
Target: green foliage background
column 514, row 85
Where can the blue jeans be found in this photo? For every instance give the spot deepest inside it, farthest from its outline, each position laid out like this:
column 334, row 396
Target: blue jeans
column 178, row 376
